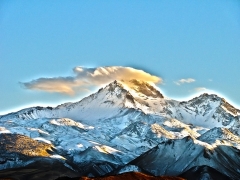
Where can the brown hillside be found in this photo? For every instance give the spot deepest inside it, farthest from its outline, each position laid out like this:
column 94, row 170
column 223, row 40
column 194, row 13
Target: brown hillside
column 133, row 175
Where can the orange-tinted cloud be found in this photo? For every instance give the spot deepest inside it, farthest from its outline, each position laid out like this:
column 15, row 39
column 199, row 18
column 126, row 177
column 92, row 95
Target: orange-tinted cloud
column 89, row 77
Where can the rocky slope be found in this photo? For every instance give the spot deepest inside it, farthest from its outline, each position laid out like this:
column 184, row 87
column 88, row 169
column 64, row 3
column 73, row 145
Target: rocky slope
column 127, row 176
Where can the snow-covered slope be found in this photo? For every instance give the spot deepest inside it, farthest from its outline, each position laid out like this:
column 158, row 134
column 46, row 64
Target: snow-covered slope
column 176, row 156
column 131, row 124
column 207, row 111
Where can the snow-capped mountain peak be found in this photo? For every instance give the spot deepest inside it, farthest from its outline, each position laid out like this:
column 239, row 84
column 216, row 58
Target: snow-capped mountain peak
column 130, row 122
column 143, row 88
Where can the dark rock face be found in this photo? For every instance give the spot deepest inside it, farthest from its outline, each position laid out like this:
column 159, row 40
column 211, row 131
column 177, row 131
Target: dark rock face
column 146, row 89
column 41, row 169
column 176, row 156
column 204, row 173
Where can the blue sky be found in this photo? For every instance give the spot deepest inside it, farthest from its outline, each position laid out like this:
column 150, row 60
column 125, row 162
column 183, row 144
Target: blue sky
column 196, row 41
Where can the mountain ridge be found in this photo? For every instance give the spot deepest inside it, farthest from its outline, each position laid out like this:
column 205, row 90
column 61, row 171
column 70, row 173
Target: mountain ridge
column 131, row 124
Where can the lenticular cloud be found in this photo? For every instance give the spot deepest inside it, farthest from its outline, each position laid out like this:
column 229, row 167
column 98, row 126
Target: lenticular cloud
column 84, row 78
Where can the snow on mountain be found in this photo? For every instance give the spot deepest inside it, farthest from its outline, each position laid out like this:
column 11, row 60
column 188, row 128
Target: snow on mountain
column 177, row 156
column 207, row 111
column 220, row 136
column 130, row 125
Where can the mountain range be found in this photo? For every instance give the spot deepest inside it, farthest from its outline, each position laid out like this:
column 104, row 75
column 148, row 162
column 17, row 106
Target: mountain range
column 126, row 126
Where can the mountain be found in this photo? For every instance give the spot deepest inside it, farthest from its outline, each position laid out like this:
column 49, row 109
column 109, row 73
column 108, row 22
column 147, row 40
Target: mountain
column 125, row 126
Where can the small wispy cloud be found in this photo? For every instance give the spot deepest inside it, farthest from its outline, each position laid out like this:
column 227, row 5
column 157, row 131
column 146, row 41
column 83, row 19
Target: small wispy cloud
column 182, row 81
column 86, row 78
column 200, row 89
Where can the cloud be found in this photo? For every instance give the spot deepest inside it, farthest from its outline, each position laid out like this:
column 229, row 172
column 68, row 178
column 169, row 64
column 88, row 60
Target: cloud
column 85, row 78
column 60, row 85
column 182, row 81
column 199, row 89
